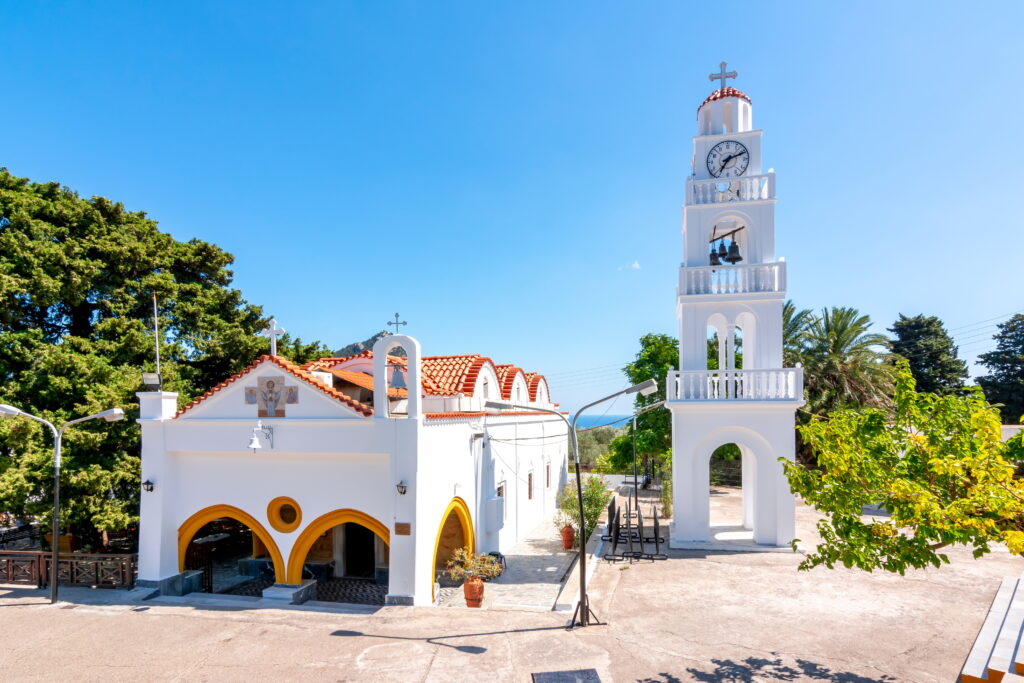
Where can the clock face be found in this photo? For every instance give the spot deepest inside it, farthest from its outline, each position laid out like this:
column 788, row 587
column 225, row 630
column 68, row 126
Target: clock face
column 728, row 159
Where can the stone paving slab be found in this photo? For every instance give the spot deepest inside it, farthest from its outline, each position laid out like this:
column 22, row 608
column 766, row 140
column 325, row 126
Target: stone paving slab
column 537, row 566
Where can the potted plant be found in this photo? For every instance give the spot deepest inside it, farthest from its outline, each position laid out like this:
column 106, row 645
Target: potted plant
column 472, row 569
column 563, row 522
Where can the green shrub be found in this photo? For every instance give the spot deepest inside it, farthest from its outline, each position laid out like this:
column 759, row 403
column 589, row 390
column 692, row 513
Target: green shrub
column 595, row 498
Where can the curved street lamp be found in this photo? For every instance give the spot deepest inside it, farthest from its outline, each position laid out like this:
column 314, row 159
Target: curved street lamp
column 111, row 415
column 583, row 612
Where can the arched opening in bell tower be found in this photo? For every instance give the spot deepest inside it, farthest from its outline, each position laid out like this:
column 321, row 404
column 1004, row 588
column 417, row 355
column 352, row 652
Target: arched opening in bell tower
column 731, row 494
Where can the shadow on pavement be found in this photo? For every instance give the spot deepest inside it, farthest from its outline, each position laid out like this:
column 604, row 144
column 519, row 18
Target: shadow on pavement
column 436, row 640
column 759, row 669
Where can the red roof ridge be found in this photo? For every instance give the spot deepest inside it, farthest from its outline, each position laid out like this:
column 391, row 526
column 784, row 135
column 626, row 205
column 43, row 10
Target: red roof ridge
column 291, row 368
column 722, row 93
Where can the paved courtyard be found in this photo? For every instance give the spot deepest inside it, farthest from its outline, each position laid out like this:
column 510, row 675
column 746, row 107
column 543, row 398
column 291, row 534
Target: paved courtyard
column 695, row 617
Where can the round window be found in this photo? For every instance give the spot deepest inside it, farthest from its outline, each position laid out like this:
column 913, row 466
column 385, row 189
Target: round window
column 284, row 514
column 287, row 513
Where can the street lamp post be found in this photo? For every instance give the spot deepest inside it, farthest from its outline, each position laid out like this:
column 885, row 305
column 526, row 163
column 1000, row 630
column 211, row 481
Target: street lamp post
column 111, row 415
column 636, row 490
column 583, row 611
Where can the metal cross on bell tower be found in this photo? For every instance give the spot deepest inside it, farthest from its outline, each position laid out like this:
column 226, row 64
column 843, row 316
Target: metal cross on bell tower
column 722, row 75
column 396, row 322
column 273, row 332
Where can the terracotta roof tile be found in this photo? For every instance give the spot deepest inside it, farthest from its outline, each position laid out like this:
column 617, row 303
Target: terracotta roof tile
column 722, row 93
column 364, row 380
column 292, row 369
column 507, row 379
column 450, row 375
column 533, row 380
column 468, row 414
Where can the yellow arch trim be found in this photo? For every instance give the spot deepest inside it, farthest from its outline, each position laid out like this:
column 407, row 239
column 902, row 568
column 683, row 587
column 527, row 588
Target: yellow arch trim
column 461, row 510
column 321, row 524
column 194, row 523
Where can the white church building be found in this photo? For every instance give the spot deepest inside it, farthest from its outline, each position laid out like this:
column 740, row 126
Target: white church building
column 732, row 287
column 337, row 472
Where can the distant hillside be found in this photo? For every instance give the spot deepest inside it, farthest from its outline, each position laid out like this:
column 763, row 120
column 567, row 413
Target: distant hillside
column 359, row 347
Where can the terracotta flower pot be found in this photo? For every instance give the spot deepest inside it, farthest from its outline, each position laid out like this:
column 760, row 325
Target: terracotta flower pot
column 473, row 589
column 568, row 537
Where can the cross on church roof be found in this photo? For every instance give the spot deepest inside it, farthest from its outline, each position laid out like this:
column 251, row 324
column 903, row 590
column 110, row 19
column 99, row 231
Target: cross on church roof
column 273, row 331
column 396, row 322
column 722, row 75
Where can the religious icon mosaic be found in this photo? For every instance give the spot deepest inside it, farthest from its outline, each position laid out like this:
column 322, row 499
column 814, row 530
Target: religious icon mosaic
column 270, row 395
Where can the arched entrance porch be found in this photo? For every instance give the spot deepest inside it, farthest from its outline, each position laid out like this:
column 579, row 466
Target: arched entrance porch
column 455, row 531
column 232, row 549
column 347, row 553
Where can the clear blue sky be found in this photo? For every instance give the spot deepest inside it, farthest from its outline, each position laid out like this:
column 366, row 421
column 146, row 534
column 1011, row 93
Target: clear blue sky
column 491, row 170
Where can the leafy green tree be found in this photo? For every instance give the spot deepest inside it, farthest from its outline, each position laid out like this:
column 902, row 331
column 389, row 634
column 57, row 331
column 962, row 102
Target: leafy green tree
column 935, row 463
column 1005, row 382
column 924, row 342
column 595, row 442
column 76, row 280
column 845, row 365
column 658, row 355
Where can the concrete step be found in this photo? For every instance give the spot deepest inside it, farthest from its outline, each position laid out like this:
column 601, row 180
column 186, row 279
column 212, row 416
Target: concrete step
column 976, row 667
column 1005, row 651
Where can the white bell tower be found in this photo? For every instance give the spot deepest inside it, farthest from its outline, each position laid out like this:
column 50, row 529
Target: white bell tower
column 731, row 291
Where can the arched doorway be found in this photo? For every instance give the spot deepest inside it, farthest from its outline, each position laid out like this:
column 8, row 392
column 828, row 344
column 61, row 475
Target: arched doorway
column 455, row 531
column 731, row 493
column 347, row 553
column 233, row 551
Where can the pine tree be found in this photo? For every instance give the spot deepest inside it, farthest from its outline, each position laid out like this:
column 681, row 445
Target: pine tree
column 924, row 342
column 1005, row 383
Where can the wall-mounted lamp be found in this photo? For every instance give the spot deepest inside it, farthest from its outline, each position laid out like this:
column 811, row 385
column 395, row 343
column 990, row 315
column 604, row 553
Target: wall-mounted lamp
column 147, row 486
column 402, row 488
column 254, row 440
column 152, row 381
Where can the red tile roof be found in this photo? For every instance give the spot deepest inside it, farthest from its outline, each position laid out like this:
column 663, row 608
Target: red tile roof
column 723, row 93
column 456, row 416
column 533, row 380
column 292, row 369
column 450, row 375
column 507, row 379
column 364, row 380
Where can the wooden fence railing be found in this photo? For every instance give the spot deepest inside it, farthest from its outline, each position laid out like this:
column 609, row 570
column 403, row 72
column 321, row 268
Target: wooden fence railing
column 32, row 567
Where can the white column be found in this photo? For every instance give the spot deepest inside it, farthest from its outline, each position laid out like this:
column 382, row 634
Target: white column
column 748, row 466
column 690, row 491
column 158, row 531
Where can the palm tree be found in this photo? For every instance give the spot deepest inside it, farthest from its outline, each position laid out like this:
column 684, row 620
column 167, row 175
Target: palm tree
column 846, row 365
column 794, row 333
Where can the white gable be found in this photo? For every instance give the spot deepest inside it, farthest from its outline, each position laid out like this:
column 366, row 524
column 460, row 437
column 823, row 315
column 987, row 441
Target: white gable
column 268, row 391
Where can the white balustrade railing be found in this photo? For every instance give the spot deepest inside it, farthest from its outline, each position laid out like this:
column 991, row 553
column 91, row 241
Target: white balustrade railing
column 785, row 384
column 742, row 279
column 718, row 190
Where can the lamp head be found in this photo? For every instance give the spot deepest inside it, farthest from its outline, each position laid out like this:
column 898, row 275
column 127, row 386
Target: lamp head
column 402, row 487
column 645, row 388
column 498, row 405
column 112, row 415
column 8, row 411
column 152, row 381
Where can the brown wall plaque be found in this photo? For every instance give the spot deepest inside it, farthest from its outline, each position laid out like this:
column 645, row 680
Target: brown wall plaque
column 403, row 529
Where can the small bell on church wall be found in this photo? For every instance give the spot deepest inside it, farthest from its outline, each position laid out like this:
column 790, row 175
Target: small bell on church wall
column 734, row 253
column 721, row 250
column 715, row 261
